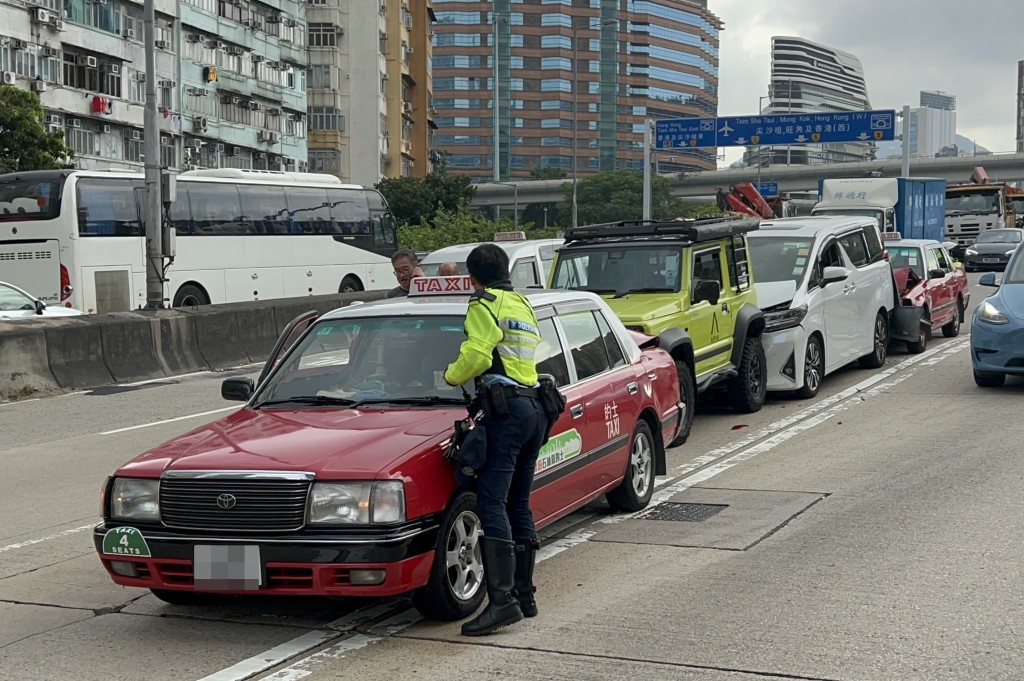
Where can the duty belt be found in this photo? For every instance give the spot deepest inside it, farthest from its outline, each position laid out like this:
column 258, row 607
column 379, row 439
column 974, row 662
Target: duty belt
column 520, row 391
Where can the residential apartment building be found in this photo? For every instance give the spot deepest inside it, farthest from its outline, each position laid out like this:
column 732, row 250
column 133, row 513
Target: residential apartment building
column 808, row 77
column 369, row 89
column 230, row 79
column 628, row 60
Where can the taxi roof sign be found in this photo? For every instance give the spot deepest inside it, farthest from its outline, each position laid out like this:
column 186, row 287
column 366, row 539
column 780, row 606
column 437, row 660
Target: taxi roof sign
column 457, row 285
column 510, row 236
column 891, row 236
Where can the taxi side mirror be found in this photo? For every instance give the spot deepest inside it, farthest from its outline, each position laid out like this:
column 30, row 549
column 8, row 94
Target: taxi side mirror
column 936, row 274
column 237, row 389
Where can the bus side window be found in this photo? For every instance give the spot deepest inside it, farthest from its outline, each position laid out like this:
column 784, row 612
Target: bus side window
column 348, row 211
column 107, row 208
column 310, row 211
column 180, row 214
column 263, row 206
column 216, row 209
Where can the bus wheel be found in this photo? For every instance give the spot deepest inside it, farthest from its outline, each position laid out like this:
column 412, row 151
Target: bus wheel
column 350, row 284
column 190, row 295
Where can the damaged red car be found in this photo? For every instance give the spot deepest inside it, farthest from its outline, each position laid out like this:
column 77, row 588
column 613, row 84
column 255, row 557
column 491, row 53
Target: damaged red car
column 928, row 278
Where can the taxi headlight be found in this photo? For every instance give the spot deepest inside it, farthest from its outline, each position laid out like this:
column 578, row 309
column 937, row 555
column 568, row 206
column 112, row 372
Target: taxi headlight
column 991, row 314
column 357, row 503
column 135, row 499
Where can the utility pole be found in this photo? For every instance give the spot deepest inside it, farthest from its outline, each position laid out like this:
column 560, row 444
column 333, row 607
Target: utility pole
column 151, row 135
column 905, row 168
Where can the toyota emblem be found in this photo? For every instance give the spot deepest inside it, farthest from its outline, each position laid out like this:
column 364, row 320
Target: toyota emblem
column 226, row 501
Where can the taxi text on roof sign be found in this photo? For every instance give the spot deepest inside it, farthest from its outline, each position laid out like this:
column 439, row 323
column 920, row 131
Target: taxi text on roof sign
column 510, row 236
column 891, row 236
column 440, row 286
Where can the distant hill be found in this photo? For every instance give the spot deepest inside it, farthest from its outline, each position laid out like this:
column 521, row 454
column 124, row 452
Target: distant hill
column 895, row 148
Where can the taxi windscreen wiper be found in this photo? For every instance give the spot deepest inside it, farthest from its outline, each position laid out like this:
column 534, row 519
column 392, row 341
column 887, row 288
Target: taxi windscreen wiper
column 426, row 399
column 311, row 400
column 646, row 289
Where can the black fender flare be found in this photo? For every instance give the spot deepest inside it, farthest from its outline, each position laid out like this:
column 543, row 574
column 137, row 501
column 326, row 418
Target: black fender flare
column 677, row 343
column 749, row 322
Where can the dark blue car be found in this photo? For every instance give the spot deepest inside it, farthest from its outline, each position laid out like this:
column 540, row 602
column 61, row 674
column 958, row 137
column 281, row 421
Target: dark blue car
column 997, row 328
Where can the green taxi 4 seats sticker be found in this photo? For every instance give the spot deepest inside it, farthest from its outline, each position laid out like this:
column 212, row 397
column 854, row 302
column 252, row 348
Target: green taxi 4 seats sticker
column 125, row 541
column 559, row 449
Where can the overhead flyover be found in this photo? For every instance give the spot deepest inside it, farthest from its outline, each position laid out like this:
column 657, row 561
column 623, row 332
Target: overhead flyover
column 1002, row 167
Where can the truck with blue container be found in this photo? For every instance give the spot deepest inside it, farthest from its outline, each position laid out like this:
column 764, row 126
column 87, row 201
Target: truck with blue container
column 912, row 206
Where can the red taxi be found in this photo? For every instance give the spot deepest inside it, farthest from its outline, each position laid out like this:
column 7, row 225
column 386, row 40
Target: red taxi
column 927, row 277
column 331, row 479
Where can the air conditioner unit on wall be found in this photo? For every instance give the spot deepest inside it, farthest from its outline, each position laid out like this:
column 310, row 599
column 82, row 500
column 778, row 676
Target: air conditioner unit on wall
column 40, row 15
column 10, row 78
column 38, row 86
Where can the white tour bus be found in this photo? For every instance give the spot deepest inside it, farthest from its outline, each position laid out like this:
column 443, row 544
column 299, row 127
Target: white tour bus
column 76, row 238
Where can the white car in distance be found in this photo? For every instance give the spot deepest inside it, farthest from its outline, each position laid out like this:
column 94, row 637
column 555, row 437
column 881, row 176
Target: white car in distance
column 18, row 304
column 826, row 291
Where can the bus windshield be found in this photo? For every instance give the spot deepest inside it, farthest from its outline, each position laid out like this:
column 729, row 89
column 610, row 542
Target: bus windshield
column 24, row 198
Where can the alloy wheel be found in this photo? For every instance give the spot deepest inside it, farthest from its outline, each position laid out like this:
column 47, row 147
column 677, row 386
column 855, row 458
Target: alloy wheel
column 641, row 460
column 812, row 368
column 462, row 556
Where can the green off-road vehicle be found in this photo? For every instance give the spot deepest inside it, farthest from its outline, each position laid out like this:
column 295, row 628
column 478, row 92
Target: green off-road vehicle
column 687, row 284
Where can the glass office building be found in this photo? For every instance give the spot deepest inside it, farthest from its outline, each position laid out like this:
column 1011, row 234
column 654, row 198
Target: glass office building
column 631, row 59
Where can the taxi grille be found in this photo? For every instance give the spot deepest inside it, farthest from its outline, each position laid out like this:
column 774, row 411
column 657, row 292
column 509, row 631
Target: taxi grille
column 255, row 505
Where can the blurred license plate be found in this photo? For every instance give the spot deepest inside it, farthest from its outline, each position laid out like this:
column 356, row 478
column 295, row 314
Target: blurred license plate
column 990, row 259
column 227, row 568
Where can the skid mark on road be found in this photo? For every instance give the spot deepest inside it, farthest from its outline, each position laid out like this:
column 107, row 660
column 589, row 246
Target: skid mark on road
column 699, row 470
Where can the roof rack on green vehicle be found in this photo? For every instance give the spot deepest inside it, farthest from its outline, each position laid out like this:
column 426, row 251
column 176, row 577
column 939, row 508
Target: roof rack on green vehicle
column 693, row 229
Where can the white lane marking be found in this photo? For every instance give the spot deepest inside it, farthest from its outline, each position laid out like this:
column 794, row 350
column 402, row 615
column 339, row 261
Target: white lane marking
column 160, row 423
column 289, row 649
column 148, row 381
column 40, row 540
column 795, row 425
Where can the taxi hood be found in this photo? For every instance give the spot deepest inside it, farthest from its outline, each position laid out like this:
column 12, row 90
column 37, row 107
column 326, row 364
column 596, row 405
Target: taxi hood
column 331, row 443
column 637, row 308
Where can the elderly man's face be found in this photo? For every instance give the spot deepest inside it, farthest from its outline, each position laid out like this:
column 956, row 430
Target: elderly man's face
column 404, row 269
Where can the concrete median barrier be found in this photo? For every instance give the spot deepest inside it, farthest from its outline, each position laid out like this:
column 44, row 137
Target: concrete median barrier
column 176, row 343
column 129, row 350
column 24, row 365
column 96, row 350
column 74, row 347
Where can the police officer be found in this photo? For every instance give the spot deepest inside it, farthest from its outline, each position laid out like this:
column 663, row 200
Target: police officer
column 499, row 353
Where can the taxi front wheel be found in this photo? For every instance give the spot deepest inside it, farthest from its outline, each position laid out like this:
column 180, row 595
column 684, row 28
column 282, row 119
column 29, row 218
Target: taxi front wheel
column 638, row 484
column 455, row 588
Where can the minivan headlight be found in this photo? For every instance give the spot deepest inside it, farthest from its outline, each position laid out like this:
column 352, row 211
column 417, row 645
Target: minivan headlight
column 991, row 314
column 357, row 503
column 135, row 499
column 784, row 319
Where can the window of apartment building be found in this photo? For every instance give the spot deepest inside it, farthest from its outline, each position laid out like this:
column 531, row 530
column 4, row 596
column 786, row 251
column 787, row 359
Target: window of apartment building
column 82, row 140
column 234, row 10
column 562, row 42
column 290, row 31
column 25, row 63
column 134, row 146
column 324, row 161
column 205, row 5
column 325, row 118
column 556, row 85
column 106, row 17
column 320, row 76
column 556, row 20
column 556, row 63
column 79, row 74
column 323, row 35
column 294, row 124
column 236, row 110
column 457, row 40
column 229, row 59
column 555, row 105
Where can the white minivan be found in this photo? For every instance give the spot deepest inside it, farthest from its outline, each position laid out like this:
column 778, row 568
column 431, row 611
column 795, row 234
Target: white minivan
column 826, row 291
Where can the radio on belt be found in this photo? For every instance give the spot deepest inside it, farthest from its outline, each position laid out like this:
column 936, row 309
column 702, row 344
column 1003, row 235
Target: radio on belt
column 457, row 285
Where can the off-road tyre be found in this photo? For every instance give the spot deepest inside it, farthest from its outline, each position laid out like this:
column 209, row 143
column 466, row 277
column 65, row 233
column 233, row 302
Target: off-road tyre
column 688, row 396
column 747, row 391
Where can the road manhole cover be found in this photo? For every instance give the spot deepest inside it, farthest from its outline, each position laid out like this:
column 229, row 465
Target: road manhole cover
column 687, row 513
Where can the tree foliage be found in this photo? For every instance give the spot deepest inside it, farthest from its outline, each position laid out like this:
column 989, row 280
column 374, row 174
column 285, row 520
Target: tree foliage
column 615, row 195
column 415, row 201
column 25, row 143
column 462, row 227
column 542, row 173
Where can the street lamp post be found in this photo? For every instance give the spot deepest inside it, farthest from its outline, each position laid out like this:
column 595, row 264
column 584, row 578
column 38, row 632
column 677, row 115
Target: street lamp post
column 575, row 106
column 515, row 199
column 760, row 160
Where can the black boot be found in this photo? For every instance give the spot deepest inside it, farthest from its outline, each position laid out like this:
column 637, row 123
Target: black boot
column 499, row 557
column 526, row 559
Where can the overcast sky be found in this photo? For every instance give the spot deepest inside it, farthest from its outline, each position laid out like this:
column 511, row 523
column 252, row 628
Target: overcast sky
column 905, row 46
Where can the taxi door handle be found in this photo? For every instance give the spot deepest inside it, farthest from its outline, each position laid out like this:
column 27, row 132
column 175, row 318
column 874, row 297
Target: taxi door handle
column 631, row 388
column 576, row 410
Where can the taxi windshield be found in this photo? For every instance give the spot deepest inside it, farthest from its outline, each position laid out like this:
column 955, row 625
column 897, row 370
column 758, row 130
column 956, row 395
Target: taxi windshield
column 906, row 256
column 347, row 362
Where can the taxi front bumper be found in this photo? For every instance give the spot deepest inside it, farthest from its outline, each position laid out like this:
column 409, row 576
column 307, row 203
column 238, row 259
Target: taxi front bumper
column 288, row 566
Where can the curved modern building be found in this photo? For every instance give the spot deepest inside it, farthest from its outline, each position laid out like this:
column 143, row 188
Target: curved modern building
column 809, row 77
column 627, row 60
